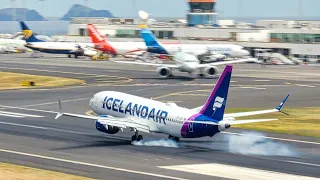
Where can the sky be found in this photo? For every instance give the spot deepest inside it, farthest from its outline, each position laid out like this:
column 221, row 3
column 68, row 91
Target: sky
column 175, row 8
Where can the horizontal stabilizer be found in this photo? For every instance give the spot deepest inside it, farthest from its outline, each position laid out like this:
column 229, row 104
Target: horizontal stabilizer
column 249, row 121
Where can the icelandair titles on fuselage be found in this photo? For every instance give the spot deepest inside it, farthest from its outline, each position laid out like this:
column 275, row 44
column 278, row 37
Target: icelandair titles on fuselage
column 132, row 109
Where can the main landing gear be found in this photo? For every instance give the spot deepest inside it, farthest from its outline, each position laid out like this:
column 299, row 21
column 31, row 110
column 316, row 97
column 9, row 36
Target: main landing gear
column 136, row 136
column 176, row 139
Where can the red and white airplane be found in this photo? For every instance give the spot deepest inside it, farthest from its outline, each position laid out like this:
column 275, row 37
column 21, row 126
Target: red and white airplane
column 114, row 48
column 129, row 49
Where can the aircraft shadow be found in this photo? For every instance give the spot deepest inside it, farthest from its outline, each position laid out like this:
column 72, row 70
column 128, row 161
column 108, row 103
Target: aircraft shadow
column 183, row 78
column 105, row 143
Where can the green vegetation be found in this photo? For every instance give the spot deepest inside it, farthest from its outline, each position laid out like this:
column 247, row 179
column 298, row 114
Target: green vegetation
column 14, row 80
column 12, row 172
column 301, row 121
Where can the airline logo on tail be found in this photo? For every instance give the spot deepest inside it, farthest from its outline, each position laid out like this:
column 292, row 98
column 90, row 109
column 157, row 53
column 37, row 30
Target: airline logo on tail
column 95, row 33
column 27, row 33
column 218, row 102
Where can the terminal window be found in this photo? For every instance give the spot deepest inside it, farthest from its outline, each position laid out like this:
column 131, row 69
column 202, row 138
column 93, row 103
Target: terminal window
column 201, row 6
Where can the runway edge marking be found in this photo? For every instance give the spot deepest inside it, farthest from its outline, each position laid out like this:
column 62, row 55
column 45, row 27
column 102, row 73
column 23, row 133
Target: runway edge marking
column 90, row 164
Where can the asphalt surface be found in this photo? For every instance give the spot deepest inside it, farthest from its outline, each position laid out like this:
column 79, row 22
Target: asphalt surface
column 30, row 135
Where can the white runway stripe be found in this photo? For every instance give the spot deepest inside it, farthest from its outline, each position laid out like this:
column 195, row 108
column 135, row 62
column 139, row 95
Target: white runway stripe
column 13, row 114
column 93, row 165
column 10, row 115
column 235, row 172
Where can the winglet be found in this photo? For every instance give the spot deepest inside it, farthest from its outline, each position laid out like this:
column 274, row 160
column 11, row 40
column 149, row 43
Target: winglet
column 60, row 113
column 282, row 103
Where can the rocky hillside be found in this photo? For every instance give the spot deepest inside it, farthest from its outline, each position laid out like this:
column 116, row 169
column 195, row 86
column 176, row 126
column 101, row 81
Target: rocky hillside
column 20, row 14
column 78, row 10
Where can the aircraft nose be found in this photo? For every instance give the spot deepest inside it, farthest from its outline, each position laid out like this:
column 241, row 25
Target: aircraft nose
column 245, row 52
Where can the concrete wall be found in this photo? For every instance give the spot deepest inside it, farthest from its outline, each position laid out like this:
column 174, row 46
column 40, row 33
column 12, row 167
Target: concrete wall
column 262, row 36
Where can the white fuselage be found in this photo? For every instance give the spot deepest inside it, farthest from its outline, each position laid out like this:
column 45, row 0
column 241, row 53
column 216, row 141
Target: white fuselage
column 16, row 43
column 160, row 117
column 129, row 47
column 198, row 49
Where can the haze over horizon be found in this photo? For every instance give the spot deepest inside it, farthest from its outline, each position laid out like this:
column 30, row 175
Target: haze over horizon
column 177, row 8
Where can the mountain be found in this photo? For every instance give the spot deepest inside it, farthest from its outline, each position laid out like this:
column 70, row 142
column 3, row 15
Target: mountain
column 20, row 14
column 79, row 10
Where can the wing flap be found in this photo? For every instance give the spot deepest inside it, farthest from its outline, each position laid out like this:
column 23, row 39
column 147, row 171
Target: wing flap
column 250, row 113
column 249, row 121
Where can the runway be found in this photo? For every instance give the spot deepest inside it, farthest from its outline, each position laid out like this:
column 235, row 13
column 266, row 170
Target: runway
column 34, row 138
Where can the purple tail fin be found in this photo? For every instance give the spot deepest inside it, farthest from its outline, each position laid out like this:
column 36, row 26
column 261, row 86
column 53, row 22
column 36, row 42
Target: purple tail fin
column 216, row 102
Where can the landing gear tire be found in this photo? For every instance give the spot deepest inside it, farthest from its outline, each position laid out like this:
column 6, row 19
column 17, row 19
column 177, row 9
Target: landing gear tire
column 176, row 139
column 69, row 55
column 139, row 138
column 136, row 137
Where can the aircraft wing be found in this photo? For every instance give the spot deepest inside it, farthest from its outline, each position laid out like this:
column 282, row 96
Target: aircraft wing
column 249, row 121
column 111, row 121
column 225, row 62
column 233, row 122
column 250, row 113
column 147, row 64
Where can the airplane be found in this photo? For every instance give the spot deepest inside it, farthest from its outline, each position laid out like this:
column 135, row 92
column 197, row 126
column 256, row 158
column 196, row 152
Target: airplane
column 117, row 111
column 214, row 51
column 12, row 44
column 114, row 48
column 185, row 62
column 69, row 48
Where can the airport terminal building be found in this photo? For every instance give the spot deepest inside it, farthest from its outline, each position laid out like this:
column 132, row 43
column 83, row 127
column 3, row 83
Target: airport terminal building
column 295, row 38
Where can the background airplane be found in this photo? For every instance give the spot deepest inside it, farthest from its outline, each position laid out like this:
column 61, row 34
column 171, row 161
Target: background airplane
column 118, row 110
column 127, row 49
column 202, row 51
column 185, row 62
column 69, row 48
column 114, row 48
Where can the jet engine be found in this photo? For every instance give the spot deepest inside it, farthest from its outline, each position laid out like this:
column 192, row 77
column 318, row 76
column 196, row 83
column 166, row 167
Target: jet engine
column 164, row 72
column 79, row 51
column 223, row 126
column 211, row 71
column 107, row 129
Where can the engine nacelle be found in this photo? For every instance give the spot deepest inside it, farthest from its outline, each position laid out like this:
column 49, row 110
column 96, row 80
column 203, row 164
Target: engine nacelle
column 164, row 72
column 107, row 129
column 211, row 71
column 223, row 126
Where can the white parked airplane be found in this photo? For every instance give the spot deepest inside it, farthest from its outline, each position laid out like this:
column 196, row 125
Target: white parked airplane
column 12, row 43
column 185, row 62
column 118, row 110
column 69, row 48
column 216, row 51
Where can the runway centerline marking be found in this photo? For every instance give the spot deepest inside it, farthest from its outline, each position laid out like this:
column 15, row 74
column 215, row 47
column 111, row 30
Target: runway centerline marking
column 262, row 80
column 18, row 114
column 91, row 164
column 47, row 103
column 305, row 85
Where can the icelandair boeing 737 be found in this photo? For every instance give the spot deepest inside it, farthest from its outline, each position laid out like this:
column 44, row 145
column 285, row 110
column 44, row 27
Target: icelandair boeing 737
column 118, row 110
column 69, row 48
